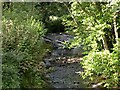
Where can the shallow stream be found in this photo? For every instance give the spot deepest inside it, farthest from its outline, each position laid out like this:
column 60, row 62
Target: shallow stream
column 65, row 66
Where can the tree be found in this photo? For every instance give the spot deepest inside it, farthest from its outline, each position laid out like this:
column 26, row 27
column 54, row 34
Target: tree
column 96, row 26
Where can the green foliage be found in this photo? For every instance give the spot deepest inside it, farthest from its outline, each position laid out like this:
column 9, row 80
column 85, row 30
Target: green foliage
column 51, row 15
column 23, row 48
column 93, row 26
column 102, row 67
column 10, row 70
column 90, row 22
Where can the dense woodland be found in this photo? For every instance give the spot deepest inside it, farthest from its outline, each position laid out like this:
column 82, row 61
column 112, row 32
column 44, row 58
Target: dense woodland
column 95, row 25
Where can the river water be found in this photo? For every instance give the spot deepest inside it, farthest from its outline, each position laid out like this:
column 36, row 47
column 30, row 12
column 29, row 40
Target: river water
column 65, row 65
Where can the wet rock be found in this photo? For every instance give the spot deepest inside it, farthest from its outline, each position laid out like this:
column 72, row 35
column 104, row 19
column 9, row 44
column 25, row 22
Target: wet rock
column 57, row 39
column 48, row 59
column 64, row 75
column 55, row 53
column 47, row 63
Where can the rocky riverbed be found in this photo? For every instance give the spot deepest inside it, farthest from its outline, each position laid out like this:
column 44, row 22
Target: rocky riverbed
column 65, row 74
column 64, row 62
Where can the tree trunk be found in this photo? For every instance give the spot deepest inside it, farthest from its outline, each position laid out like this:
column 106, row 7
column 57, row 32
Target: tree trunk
column 105, row 44
column 104, row 39
column 115, row 28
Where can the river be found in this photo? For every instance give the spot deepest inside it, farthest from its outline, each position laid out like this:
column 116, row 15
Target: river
column 65, row 63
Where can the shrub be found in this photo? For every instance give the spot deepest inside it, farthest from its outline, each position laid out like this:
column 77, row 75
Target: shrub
column 23, row 48
column 102, row 67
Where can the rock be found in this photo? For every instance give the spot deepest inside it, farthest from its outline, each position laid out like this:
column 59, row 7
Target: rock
column 77, row 51
column 65, row 73
column 57, row 39
column 43, row 63
column 47, row 76
column 97, row 85
column 49, row 59
column 47, row 63
column 55, row 53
